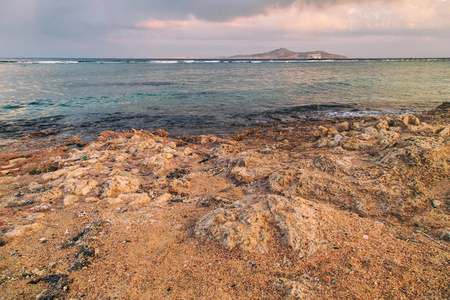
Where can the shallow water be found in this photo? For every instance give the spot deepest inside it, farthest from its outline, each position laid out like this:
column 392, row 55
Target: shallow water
column 187, row 97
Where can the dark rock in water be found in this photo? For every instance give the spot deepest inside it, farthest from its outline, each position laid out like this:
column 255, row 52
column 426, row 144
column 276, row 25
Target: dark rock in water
column 44, row 133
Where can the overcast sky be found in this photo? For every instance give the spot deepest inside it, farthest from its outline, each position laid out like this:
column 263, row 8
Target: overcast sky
column 209, row 28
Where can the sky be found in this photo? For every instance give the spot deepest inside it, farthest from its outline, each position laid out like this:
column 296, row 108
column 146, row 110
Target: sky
column 211, row 28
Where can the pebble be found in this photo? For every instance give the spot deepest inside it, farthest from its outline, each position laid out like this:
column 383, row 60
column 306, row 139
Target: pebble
column 445, row 236
column 436, row 203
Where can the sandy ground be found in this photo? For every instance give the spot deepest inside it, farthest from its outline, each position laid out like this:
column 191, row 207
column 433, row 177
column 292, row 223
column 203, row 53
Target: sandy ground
column 329, row 209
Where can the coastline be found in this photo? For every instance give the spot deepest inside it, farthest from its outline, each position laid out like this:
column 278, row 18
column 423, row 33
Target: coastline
column 331, row 208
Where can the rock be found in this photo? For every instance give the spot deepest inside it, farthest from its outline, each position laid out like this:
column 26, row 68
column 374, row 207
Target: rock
column 370, row 131
column 172, row 145
column 444, row 131
column 332, row 132
column 120, row 184
column 250, row 227
column 280, row 181
column 242, row 175
column 415, row 121
column 80, row 172
column 323, row 142
column 400, row 121
column 134, row 199
column 384, row 142
column 162, row 133
column 344, row 126
column 356, row 126
column 338, row 137
column 85, row 187
column 382, row 124
column 69, row 200
column 164, row 198
column 321, row 131
column 155, row 161
column 436, row 203
column 91, row 199
column 22, row 230
column 166, row 155
column 405, row 120
column 351, row 144
column 445, row 236
column 187, row 151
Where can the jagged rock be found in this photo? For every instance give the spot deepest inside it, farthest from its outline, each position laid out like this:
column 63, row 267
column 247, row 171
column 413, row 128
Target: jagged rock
column 382, row 124
column 250, row 226
column 77, row 173
column 84, row 187
column 280, row 181
column 321, row 131
column 187, row 151
column 344, row 126
column 69, row 200
column 444, row 132
column 436, row 203
column 242, row 174
column 133, row 199
column 172, row 145
column 370, row 131
column 415, row 121
column 164, row 198
column 323, row 142
column 22, row 230
column 351, row 144
column 332, row 132
column 120, row 184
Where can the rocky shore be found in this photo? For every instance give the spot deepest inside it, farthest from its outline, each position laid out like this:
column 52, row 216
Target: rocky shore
column 349, row 208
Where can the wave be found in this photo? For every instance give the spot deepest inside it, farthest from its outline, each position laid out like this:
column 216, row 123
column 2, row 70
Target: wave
column 49, row 62
column 163, row 61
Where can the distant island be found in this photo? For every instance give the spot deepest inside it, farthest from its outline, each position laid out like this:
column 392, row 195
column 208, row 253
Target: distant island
column 283, row 53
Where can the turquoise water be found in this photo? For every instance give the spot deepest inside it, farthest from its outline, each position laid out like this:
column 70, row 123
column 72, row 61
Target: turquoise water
column 195, row 97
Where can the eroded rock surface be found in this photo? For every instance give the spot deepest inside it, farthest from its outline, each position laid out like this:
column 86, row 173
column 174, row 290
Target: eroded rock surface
column 319, row 209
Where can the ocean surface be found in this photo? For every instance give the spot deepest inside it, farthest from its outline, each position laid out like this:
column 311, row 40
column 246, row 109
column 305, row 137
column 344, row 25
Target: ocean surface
column 88, row 96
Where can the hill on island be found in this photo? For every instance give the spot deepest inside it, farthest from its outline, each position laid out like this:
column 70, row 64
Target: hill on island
column 283, row 53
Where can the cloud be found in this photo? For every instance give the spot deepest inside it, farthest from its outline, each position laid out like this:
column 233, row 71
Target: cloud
column 98, row 27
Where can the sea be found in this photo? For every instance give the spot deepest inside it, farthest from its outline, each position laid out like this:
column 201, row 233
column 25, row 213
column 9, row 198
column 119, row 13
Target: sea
column 199, row 96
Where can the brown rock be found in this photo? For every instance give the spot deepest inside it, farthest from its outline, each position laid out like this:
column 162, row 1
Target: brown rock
column 250, row 227
column 321, row 131
column 242, row 175
column 344, row 126
column 85, row 187
column 119, row 185
column 351, row 144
